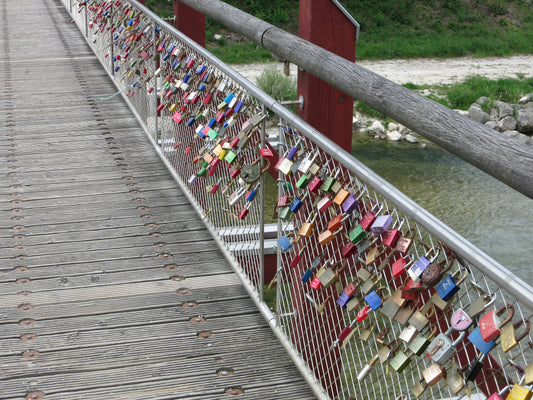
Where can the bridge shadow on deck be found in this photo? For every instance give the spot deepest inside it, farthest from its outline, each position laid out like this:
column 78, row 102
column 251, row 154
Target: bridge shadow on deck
column 108, row 279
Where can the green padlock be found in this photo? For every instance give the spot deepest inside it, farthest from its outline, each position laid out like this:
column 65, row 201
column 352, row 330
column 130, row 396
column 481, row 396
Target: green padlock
column 400, row 361
column 303, row 182
column 285, row 213
column 230, row 156
column 357, row 234
column 421, row 342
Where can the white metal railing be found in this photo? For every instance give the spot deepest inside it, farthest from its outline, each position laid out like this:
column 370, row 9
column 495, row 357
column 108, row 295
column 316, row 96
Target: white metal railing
column 166, row 79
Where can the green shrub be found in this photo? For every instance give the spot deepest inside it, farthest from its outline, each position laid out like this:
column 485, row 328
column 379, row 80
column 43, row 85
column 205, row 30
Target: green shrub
column 276, row 84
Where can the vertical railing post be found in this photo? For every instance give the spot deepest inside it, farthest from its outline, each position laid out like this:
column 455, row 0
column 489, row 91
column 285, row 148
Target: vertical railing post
column 190, row 22
column 86, row 22
column 155, row 66
column 326, row 108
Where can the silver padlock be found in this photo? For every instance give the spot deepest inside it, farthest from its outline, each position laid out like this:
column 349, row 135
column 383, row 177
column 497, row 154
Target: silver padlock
column 441, row 349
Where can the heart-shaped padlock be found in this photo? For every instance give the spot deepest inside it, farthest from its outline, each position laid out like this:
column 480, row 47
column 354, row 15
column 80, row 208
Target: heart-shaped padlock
column 461, row 321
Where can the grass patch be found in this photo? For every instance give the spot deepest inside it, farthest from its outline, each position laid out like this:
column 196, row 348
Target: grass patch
column 462, row 95
column 239, row 53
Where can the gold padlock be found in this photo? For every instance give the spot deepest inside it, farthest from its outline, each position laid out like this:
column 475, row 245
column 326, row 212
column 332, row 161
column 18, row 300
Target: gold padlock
column 433, row 374
column 307, row 227
column 519, row 393
column 373, row 254
column 365, row 333
column 419, row 388
column 508, row 337
column 403, row 315
column 420, row 318
column 528, row 376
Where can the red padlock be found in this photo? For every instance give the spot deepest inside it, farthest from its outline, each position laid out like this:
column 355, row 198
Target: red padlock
column 490, row 324
column 348, row 249
column 363, row 313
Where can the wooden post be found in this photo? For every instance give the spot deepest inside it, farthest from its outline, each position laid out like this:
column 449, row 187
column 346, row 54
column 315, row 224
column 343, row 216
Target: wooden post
column 326, row 108
column 190, row 22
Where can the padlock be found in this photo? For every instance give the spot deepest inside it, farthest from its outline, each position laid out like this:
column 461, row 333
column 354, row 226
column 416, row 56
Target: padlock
column 329, row 181
column 480, row 304
column 366, row 332
column 407, row 334
column 374, row 300
column 315, row 184
column 350, row 204
column 474, row 368
column 411, row 289
column 284, row 243
column 448, row 287
column 461, row 321
column 337, row 222
column 441, row 349
column 323, row 204
column 245, row 210
column 400, row 361
column 298, row 256
column 404, row 242
column 252, row 172
column 508, row 338
column 455, row 382
column 370, row 283
column 307, row 162
column 419, row 388
column 348, row 249
column 519, row 393
column 381, row 224
column 403, row 315
column 332, row 274
column 314, row 264
column 392, row 305
column 307, row 227
column 386, row 351
column 303, row 182
column 399, row 266
column 490, row 324
column 415, row 272
column 391, row 235
column 341, row 195
column 528, row 374
column 373, row 255
column 476, row 339
column 434, row 373
column 284, row 213
column 421, row 341
column 498, row 395
column 370, row 216
column 327, row 236
column 435, row 271
column 315, row 282
column 357, row 234
column 297, row 203
column 367, row 368
column 345, row 333
column 362, row 314
column 420, row 318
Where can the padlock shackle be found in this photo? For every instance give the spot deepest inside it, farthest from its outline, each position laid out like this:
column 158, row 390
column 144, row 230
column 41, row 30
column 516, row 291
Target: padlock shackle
column 526, row 330
column 509, row 317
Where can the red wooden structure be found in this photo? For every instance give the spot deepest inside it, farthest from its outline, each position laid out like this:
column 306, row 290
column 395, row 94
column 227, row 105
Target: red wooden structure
column 190, row 22
column 326, row 108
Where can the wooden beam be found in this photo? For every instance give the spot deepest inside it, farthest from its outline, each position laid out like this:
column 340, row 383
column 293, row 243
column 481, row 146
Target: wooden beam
column 504, row 158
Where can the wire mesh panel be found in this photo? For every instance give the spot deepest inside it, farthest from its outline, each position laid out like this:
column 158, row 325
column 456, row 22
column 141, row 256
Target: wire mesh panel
column 376, row 297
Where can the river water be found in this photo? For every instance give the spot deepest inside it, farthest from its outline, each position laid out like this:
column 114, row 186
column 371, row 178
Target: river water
column 489, row 214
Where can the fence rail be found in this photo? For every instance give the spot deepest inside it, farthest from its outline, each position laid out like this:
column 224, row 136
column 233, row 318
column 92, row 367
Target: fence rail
column 350, row 299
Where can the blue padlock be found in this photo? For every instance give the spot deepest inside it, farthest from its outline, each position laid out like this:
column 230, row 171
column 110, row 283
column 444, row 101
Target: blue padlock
column 166, row 57
column 448, row 287
column 201, row 68
column 284, row 243
column 238, row 106
column 201, row 87
column 314, row 264
column 373, row 299
column 296, row 204
column 212, row 122
column 206, row 76
column 415, row 272
column 186, row 78
column 192, row 121
column 343, row 299
column 476, row 339
column 175, row 64
column 228, row 98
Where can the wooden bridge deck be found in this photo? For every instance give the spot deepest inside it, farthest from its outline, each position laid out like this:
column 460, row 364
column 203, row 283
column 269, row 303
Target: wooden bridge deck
column 104, row 266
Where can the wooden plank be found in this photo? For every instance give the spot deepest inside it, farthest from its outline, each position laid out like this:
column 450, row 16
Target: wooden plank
column 127, row 289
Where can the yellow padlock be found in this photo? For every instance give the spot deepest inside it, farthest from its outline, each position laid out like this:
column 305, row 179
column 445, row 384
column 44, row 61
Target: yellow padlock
column 508, row 337
column 519, row 393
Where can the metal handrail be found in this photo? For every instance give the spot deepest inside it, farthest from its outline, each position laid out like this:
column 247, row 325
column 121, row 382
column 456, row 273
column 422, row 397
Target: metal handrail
column 317, row 365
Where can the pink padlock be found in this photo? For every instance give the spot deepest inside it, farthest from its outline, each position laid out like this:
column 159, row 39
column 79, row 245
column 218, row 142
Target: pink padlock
column 461, row 321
